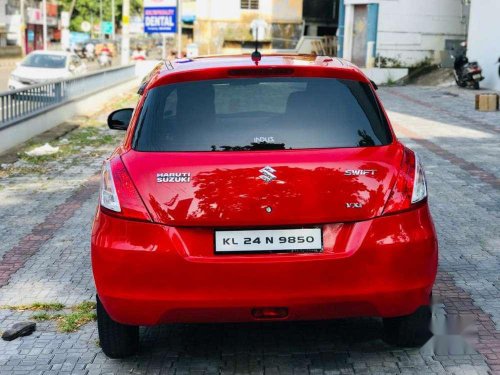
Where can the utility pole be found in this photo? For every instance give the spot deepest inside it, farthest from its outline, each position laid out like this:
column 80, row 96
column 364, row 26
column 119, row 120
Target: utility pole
column 44, row 16
column 22, row 26
column 125, row 31
column 72, row 8
column 113, row 18
column 100, row 20
column 179, row 29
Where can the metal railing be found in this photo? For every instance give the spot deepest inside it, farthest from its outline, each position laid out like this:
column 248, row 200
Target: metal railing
column 18, row 105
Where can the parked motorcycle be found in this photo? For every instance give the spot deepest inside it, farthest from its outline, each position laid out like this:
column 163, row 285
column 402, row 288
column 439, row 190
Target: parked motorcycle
column 467, row 73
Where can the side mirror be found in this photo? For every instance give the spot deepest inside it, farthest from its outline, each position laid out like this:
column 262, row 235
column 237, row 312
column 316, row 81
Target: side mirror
column 375, row 86
column 119, row 119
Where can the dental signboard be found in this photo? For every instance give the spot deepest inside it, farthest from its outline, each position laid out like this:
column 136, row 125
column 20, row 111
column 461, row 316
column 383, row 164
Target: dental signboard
column 160, row 16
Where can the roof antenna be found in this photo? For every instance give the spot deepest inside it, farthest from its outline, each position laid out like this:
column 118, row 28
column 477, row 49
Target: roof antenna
column 256, row 56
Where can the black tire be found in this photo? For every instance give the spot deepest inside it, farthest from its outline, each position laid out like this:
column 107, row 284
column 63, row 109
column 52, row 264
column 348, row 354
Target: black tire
column 409, row 331
column 117, row 340
column 476, row 86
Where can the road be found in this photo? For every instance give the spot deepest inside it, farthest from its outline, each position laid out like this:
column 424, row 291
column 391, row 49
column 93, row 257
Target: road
column 5, row 71
column 46, row 208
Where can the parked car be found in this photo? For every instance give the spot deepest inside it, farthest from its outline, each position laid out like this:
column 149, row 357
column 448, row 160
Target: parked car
column 42, row 66
column 260, row 189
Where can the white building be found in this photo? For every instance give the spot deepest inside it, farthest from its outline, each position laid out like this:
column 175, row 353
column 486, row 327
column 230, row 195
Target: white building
column 484, row 40
column 406, row 31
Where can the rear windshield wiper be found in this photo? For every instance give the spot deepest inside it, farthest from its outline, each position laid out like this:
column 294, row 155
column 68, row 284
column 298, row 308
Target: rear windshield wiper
column 252, row 147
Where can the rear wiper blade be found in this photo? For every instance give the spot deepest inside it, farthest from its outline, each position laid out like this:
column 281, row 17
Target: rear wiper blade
column 252, row 147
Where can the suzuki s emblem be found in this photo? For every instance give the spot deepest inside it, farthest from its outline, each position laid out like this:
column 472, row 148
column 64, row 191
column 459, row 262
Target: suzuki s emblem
column 267, row 174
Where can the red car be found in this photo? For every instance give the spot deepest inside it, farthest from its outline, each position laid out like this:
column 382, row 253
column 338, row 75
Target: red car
column 269, row 189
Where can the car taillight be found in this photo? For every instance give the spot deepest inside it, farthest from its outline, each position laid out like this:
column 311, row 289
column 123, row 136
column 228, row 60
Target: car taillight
column 410, row 186
column 118, row 193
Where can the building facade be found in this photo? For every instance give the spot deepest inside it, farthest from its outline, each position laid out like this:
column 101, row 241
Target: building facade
column 320, row 17
column 28, row 34
column 224, row 26
column 484, row 40
column 403, row 32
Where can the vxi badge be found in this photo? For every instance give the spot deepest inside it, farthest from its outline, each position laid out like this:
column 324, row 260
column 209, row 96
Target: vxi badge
column 267, row 174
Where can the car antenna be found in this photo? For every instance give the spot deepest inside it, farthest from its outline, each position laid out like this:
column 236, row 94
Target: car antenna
column 256, row 56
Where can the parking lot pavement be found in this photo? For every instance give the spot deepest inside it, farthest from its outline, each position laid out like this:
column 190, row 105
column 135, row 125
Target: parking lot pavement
column 46, row 208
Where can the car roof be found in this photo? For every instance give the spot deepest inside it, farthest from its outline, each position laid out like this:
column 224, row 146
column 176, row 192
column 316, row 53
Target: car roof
column 218, row 61
column 164, row 71
column 59, row 53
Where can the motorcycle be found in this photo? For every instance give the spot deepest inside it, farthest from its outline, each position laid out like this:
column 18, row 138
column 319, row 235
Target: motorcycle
column 89, row 55
column 467, row 73
column 104, row 59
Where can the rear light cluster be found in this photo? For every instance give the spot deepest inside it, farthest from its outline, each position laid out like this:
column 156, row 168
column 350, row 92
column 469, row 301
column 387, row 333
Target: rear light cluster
column 118, row 193
column 410, row 186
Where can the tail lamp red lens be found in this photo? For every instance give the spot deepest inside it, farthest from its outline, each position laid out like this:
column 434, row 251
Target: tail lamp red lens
column 270, row 312
column 410, row 186
column 118, row 193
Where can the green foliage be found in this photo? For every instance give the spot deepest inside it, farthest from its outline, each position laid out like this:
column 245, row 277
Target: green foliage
column 44, row 316
column 79, row 315
column 37, row 306
column 388, row 62
column 89, row 10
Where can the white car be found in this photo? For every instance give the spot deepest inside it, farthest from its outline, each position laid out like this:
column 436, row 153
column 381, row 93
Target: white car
column 42, row 66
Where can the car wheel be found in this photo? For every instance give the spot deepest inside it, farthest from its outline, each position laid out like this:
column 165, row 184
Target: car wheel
column 117, row 340
column 409, row 331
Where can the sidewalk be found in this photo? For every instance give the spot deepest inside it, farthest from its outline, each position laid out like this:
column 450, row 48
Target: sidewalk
column 9, row 61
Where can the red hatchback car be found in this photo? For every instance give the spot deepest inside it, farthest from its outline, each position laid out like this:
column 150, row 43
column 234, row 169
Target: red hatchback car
column 263, row 190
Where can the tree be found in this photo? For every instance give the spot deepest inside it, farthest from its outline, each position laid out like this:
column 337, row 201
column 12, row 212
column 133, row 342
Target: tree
column 88, row 10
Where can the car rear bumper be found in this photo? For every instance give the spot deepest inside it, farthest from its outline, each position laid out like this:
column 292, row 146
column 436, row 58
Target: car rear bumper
column 148, row 273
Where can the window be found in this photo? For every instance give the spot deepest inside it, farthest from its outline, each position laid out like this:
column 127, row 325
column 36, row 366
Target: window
column 250, row 114
column 249, row 4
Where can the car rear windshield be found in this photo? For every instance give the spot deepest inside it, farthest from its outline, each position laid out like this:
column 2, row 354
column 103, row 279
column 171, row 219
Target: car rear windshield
column 245, row 114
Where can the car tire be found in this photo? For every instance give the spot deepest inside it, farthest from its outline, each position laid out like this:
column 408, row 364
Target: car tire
column 117, row 340
column 409, row 331
column 476, row 86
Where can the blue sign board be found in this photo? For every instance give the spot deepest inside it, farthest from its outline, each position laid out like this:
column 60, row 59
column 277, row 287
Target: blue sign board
column 107, row 27
column 76, row 37
column 160, row 20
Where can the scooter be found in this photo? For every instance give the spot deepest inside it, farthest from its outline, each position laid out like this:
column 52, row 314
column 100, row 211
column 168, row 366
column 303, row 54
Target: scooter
column 467, row 74
column 104, row 59
column 90, row 56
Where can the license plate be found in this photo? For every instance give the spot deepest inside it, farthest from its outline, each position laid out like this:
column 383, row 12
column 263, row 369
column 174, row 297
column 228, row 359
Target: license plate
column 476, row 76
column 293, row 240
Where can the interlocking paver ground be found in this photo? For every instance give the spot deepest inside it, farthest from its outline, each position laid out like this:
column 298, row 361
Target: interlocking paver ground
column 460, row 150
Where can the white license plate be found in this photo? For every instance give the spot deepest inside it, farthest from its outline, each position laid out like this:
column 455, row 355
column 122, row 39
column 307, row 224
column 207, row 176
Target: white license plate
column 476, row 76
column 232, row 241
